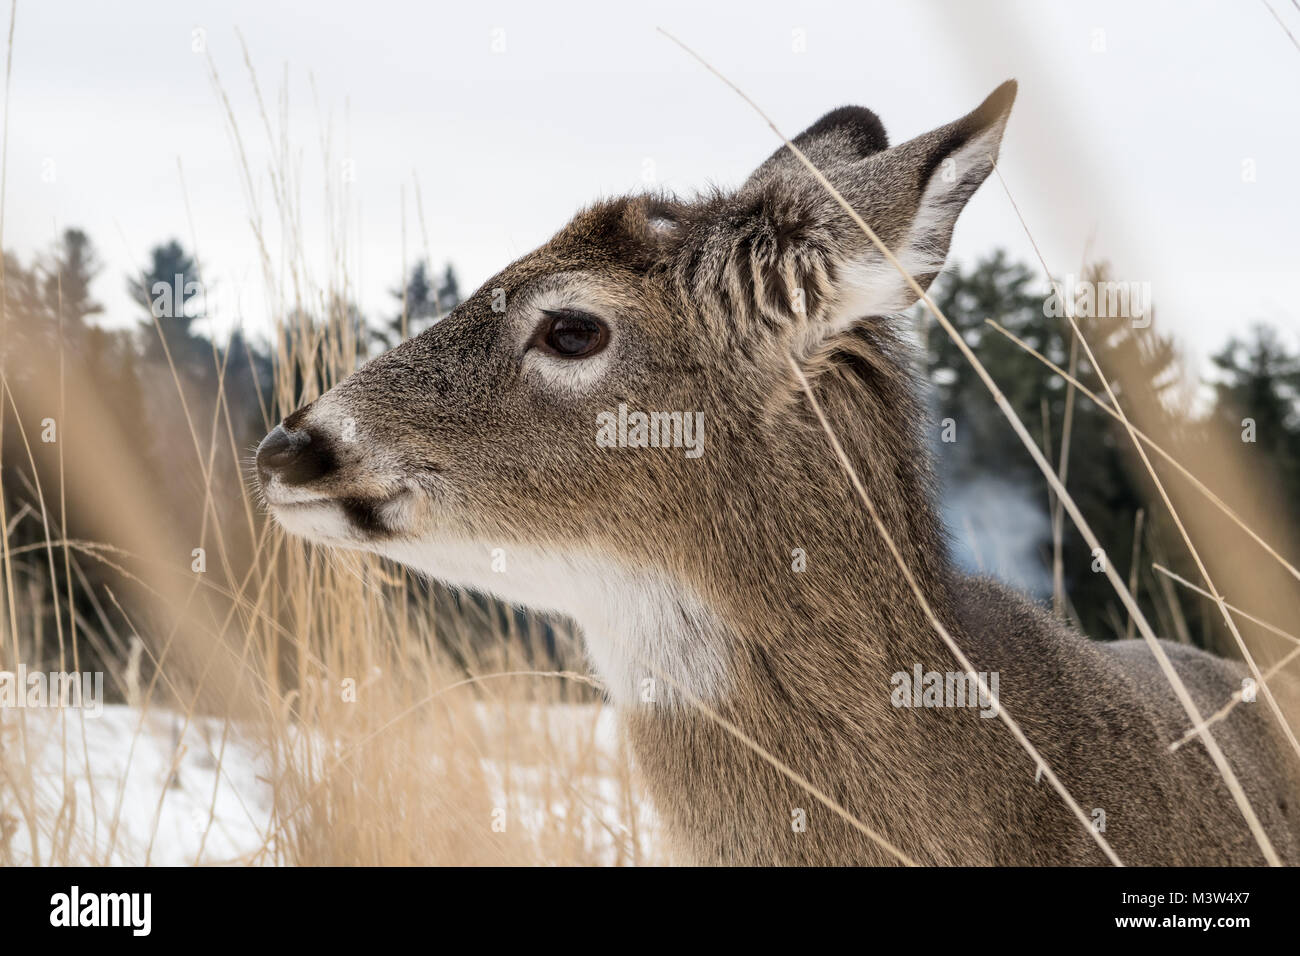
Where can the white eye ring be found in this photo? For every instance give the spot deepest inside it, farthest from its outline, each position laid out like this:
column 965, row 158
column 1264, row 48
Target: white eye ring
column 573, row 376
column 575, row 295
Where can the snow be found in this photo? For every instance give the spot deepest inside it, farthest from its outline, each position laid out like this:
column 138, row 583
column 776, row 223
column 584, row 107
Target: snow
column 131, row 758
column 160, row 797
column 583, row 736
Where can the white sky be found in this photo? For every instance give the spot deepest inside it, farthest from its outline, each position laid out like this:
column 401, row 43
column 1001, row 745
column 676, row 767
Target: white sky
column 1138, row 148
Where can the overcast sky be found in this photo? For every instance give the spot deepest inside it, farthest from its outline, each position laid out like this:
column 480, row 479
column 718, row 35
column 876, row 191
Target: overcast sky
column 1129, row 137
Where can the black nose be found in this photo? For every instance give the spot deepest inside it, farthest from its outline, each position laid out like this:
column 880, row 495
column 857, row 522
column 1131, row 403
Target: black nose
column 295, row 457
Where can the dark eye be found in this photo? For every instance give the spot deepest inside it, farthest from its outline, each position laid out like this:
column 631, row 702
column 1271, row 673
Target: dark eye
column 569, row 334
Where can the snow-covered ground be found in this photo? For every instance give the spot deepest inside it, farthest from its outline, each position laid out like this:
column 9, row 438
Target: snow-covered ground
column 582, row 736
column 159, row 770
column 158, row 783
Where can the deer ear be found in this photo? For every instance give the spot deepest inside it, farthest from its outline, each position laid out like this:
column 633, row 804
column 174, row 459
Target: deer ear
column 842, row 136
column 945, row 167
column 910, row 195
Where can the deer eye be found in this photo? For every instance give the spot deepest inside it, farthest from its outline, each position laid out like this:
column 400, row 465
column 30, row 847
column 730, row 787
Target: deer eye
column 570, row 334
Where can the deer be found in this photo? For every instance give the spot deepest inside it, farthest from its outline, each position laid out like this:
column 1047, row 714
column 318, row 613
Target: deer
column 739, row 605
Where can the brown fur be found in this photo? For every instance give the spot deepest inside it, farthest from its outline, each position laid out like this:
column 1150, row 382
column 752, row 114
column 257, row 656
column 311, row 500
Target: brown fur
column 464, row 445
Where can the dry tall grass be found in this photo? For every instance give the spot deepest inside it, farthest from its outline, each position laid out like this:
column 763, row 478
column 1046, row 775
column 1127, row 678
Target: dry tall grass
column 390, row 721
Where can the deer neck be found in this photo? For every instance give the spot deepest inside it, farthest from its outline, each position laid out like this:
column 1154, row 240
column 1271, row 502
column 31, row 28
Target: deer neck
column 735, row 730
column 800, row 663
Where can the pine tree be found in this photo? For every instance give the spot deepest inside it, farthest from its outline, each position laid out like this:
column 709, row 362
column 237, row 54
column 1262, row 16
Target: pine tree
column 69, row 271
column 1259, row 391
column 1105, row 479
column 170, row 291
column 421, row 303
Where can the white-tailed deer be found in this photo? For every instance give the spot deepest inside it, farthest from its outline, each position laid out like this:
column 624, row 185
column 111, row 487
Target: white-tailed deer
column 617, row 412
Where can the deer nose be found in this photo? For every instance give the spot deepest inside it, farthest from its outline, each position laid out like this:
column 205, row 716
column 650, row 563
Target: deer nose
column 292, row 457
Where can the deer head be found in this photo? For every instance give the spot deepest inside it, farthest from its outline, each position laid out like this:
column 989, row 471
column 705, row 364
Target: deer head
column 609, row 427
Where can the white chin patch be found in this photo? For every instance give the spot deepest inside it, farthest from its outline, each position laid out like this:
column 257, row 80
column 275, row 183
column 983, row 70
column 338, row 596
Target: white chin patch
column 650, row 641
column 318, row 521
column 646, row 637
